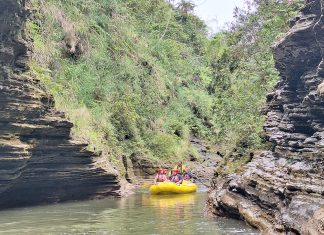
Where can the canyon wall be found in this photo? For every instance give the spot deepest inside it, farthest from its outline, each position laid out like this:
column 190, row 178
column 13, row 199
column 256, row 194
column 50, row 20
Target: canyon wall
column 281, row 191
column 39, row 162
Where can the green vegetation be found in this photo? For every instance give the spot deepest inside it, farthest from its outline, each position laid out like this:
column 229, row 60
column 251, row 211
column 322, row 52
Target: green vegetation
column 142, row 77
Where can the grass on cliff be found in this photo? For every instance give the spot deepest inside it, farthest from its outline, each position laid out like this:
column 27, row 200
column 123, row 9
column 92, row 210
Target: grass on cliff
column 145, row 77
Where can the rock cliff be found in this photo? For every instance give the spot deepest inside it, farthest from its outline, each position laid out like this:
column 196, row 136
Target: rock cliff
column 281, row 191
column 39, row 162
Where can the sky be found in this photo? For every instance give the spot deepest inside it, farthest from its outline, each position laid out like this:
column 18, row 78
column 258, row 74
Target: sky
column 216, row 12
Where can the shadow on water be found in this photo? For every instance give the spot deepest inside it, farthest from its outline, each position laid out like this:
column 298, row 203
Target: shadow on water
column 141, row 213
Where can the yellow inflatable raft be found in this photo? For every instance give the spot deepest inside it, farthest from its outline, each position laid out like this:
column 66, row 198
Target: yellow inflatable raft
column 170, row 187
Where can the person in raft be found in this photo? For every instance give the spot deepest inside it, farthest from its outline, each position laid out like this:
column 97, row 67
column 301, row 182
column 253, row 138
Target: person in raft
column 184, row 171
column 176, row 177
column 181, row 168
column 160, row 176
column 187, row 175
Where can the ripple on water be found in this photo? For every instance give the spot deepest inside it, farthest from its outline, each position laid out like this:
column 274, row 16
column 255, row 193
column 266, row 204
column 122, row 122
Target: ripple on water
column 137, row 214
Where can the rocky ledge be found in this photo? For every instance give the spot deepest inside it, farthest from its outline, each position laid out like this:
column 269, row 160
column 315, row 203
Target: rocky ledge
column 281, row 191
column 39, row 162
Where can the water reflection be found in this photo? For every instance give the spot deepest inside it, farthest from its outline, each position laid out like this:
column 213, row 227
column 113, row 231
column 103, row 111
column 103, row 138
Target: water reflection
column 174, row 212
column 139, row 214
column 165, row 201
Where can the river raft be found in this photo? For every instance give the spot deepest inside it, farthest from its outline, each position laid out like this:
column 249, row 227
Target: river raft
column 172, row 188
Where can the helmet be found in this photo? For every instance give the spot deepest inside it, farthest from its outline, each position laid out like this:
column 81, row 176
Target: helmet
column 175, row 171
column 160, row 171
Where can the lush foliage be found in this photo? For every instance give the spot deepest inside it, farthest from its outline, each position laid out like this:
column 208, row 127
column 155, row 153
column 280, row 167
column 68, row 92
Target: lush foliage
column 243, row 71
column 147, row 77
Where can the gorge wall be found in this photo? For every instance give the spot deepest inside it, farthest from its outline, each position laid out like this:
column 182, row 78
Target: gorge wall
column 281, row 191
column 39, row 162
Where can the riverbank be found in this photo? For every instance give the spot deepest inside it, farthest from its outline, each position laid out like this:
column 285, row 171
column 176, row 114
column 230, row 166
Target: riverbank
column 281, row 190
column 40, row 161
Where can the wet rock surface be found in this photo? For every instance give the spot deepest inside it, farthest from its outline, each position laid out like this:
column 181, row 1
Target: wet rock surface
column 39, row 162
column 282, row 191
column 204, row 168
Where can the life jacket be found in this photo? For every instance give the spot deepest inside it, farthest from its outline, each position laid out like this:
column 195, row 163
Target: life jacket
column 161, row 178
column 176, row 178
column 182, row 169
column 187, row 176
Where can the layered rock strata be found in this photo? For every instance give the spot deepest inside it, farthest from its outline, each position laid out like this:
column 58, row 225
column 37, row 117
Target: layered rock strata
column 39, row 162
column 282, row 190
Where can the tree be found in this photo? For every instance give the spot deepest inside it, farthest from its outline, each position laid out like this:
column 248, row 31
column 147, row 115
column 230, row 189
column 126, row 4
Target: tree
column 186, row 7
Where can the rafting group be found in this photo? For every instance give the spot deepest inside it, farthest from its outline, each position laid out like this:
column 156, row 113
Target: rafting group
column 176, row 175
column 179, row 181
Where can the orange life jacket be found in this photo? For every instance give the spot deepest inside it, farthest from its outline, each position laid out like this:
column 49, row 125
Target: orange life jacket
column 182, row 169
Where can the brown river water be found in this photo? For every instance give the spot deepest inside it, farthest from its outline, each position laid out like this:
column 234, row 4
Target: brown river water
column 140, row 213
